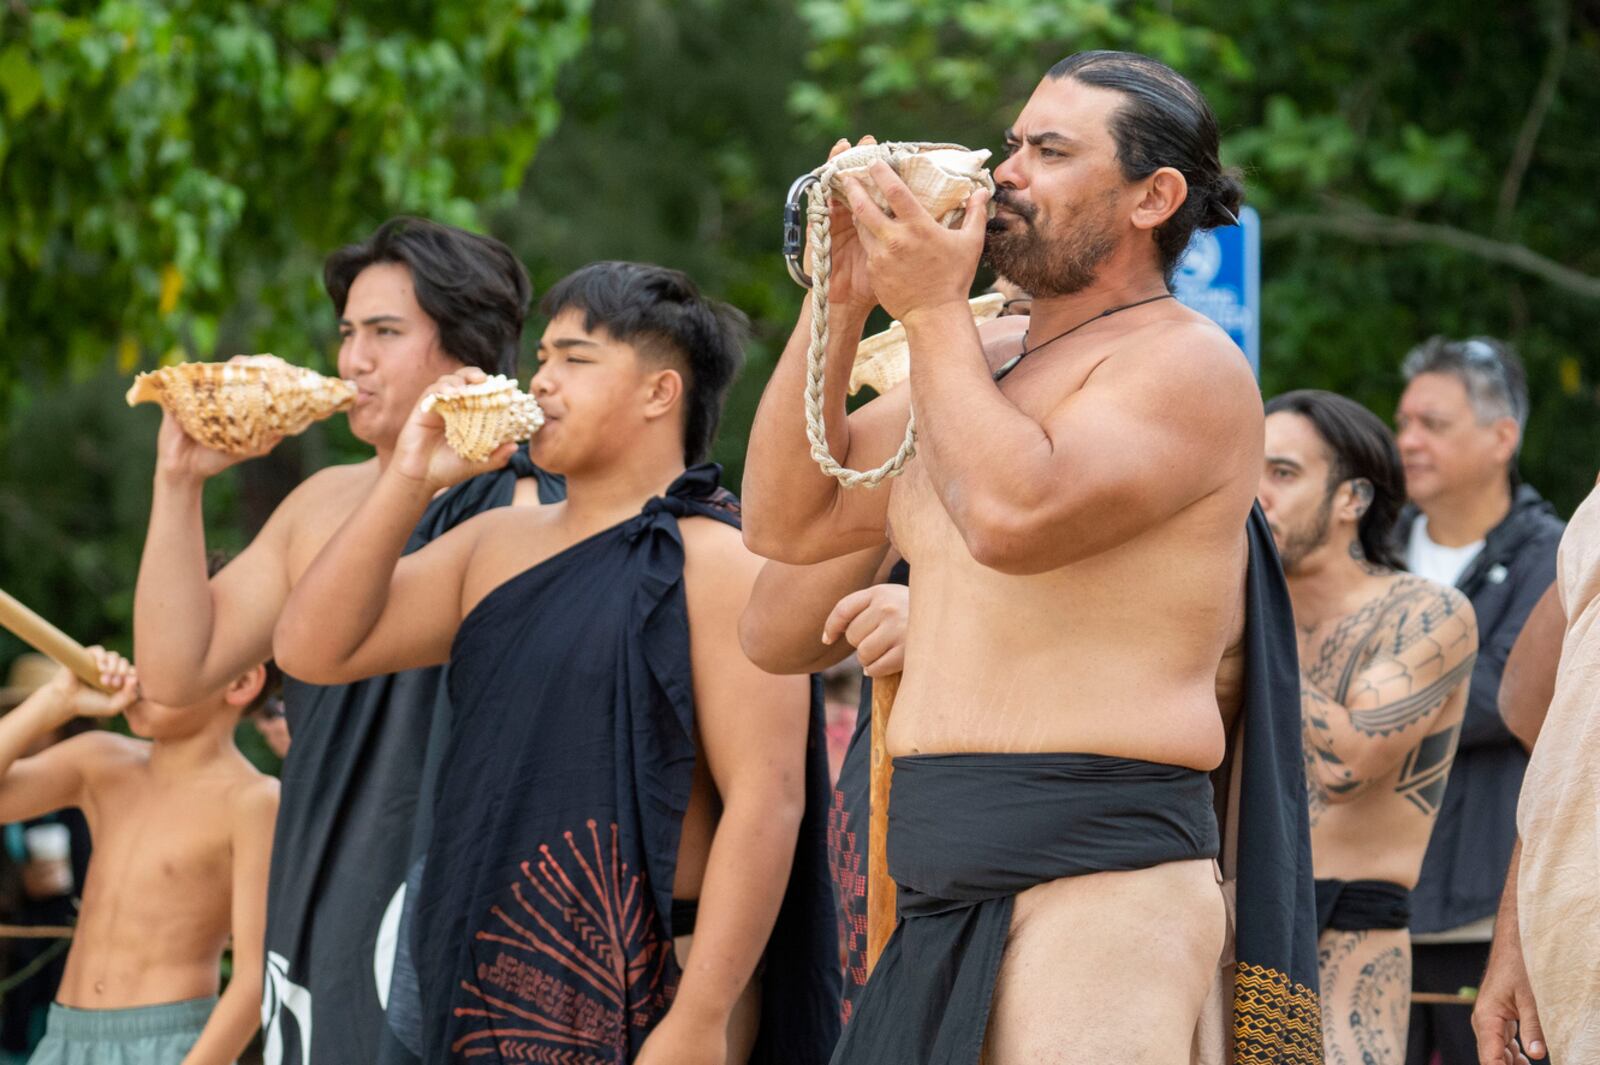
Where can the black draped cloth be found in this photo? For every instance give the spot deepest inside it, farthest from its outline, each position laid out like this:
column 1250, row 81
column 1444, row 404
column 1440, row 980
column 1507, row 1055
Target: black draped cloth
column 345, row 836
column 967, row 834
column 1362, row 905
column 544, row 925
column 1277, row 1018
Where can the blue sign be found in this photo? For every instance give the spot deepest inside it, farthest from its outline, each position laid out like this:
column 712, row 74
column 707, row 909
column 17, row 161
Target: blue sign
column 1220, row 276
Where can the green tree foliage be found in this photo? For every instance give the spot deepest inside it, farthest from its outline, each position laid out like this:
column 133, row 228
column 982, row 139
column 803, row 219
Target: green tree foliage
column 171, row 175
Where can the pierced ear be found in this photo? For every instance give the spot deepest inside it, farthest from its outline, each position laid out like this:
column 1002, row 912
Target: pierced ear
column 1164, row 193
column 1361, row 493
column 665, row 392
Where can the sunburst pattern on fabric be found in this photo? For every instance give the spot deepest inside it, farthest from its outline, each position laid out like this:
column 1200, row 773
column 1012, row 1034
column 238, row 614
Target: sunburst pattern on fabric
column 583, row 962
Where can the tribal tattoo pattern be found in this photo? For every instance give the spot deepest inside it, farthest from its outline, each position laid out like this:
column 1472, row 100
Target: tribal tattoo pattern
column 1380, row 671
column 1366, row 999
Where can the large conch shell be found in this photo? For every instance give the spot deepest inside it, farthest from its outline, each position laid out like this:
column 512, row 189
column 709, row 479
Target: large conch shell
column 940, row 176
column 479, row 418
column 238, row 407
column 883, row 359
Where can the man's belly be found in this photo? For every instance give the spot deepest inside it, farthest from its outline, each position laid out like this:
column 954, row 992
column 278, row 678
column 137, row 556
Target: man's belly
column 1125, row 706
column 1381, row 837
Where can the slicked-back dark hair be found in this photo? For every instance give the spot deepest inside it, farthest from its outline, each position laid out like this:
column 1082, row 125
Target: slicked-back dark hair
column 473, row 288
column 1164, row 121
column 663, row 315
column 1359, row 445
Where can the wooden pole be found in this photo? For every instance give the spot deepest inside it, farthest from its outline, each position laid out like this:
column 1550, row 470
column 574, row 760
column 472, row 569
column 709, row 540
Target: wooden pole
column 48, row 640
column 880, row 888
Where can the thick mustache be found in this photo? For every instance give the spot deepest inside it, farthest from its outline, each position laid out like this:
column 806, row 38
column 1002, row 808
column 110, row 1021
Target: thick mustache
column 1004, row 197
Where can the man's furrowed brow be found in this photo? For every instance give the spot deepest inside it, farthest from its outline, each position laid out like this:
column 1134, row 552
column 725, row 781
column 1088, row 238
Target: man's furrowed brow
column 379, row 319
column 1051, row 139
column 1286, row 462
column 569, row 342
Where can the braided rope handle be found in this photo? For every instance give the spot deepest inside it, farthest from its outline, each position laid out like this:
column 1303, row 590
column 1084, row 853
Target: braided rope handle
column 819, row 234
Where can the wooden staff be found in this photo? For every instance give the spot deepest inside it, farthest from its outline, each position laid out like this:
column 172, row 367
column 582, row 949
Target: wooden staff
column 48, row 640
column 880, row 888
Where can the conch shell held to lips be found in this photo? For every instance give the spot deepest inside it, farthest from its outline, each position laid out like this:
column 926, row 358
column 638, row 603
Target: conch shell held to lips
column 883, row 359
column 941, row 176
column 238, row 407
column 479, row 418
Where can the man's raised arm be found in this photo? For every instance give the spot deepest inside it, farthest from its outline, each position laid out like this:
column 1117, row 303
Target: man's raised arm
column 360, row 610
column 1360, row 723
column 191, row 633
column 793, row 512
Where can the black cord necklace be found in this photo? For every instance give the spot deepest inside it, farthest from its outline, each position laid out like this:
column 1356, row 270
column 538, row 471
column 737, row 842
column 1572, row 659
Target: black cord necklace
column 1011, row 363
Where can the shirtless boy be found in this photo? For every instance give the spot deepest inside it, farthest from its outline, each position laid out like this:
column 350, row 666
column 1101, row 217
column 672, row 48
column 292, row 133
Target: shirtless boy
column 1077, row 536
column 182, row 830
column 1385, row 660
column 598, row 684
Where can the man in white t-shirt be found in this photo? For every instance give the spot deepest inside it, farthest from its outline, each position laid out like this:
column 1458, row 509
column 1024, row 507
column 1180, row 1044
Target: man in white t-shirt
column 1472, row 524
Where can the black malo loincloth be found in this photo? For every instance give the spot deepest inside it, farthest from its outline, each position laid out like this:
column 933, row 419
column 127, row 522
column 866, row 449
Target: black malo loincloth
column 967, row 833
column 1361, row 905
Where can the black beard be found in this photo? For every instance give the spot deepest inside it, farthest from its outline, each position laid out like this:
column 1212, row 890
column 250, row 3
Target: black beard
column 1038, row 265
column 1297, row 545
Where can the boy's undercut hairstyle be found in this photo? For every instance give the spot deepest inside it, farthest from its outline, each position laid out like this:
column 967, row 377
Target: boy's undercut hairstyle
column 1359, row 446
column 474, row 289
column 1164, row 121
column 663, row 315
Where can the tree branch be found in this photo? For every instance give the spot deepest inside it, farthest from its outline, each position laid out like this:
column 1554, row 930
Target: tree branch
column 1543, row 96
column 1369, row 228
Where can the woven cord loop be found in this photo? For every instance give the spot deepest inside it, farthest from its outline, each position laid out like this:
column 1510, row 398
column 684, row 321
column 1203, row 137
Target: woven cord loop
column 820, row 237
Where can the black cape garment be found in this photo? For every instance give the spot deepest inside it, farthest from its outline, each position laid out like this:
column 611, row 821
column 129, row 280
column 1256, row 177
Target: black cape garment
column 544, row 926
column 352, row 796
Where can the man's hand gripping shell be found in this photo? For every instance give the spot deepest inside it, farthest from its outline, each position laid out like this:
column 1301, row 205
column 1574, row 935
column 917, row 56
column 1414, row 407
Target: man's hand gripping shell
column 913, row 263
column 422, row 453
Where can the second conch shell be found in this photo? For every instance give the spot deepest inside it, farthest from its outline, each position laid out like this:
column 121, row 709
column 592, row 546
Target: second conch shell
column 479, row 418
column 941, row 176
column 883, row 359
column 239, row 407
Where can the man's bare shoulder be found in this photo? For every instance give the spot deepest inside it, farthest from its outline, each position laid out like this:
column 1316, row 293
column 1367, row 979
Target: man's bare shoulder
column 718, row 567
column 1182, row 353
column 1419, row 607
column 331, row 482
column 318, row 504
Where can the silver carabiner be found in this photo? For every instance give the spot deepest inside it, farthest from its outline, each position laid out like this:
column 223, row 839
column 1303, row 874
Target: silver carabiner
column 794, row 229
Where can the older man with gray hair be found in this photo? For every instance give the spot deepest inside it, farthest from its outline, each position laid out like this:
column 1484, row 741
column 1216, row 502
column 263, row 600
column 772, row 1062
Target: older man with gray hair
column 1473, row 524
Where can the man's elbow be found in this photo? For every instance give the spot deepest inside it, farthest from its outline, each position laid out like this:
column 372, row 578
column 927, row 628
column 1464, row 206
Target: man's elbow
column 303, row 659
column 1007, row 539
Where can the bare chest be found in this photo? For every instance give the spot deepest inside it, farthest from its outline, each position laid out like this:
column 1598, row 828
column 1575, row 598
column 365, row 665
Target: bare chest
column 153, row 840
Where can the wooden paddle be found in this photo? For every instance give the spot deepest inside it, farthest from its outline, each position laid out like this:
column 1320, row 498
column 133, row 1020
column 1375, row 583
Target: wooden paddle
column 880, row 888
column 48, row 640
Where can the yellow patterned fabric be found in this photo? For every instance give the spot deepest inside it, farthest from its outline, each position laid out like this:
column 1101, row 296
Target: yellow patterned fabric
column 1275, row 1020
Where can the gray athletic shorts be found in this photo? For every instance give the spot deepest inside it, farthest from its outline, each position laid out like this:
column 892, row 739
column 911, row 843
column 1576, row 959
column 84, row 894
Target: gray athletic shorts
column 148, row 1035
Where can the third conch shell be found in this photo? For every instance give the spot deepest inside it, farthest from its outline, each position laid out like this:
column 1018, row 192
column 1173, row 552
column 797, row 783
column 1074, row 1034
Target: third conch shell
column 941, row 176
column 479, row 418
column 239, row 407
column 883, row 359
